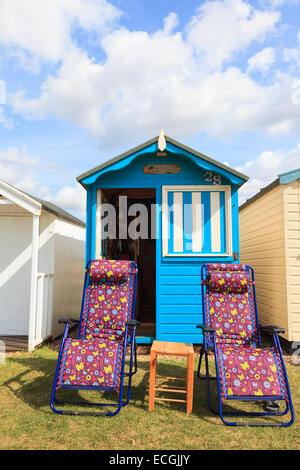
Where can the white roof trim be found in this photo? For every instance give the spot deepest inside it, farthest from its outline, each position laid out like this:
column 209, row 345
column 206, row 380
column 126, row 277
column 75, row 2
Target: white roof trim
column 20, row 198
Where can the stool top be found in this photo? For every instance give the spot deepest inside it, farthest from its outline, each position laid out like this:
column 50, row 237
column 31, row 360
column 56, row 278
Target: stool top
column 172, row 349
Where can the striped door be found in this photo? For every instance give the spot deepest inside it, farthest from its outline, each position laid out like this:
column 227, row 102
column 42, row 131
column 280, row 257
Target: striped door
column 195, row 221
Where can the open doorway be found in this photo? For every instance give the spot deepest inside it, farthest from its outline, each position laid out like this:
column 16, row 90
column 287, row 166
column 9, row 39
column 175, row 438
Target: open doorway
column 142, row 250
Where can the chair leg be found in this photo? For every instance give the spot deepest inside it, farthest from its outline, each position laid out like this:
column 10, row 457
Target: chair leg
column 133, row 356
column 202, row 353
column 199, row 364
column 135, row 362
column 208, row 378
column 153, row 360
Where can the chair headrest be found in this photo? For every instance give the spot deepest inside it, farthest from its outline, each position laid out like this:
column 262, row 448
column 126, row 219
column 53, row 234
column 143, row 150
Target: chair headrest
column 231, row 278
column 110, row 270
column 226, row 267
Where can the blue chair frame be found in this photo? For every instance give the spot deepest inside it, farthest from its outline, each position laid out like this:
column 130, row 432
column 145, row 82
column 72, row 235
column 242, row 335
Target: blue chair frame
column 128, row 340
column 273, row 331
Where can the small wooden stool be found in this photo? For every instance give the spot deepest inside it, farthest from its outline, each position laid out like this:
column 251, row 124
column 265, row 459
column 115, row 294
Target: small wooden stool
column 164, row 348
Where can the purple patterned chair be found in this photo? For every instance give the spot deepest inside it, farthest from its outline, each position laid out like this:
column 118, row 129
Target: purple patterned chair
column 244, row 370
column 96, row 359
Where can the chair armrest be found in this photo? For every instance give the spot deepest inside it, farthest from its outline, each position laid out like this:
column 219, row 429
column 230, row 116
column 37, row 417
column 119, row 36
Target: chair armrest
column 206, row 328
column 271, row 329
column 68, row 320
column 133, row 323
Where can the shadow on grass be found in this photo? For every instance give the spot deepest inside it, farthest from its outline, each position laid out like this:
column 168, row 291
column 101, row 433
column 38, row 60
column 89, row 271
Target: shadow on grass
column 34, row 385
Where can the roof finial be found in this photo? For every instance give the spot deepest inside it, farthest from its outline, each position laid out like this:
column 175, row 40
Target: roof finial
column 162, row 141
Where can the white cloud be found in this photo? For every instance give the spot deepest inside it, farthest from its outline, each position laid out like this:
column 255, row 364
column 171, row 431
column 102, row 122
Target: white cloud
column 170, row 22
column 265, row 168
column 262, row 61
column 222, row 28
column 18, row 169
column 44, row 28
column 292, row 55
column 22, row 171
column 271, row 109
column 72, row 199
column 14, row 155
column 167, row 80
column 130, row 97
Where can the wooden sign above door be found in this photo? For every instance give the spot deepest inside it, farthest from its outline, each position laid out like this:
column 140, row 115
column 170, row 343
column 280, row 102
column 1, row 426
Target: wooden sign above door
column 161, row 169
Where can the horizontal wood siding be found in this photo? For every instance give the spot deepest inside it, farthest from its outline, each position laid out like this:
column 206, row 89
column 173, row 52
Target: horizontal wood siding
column 262, row 245
column 180, row 303
column 292, row 233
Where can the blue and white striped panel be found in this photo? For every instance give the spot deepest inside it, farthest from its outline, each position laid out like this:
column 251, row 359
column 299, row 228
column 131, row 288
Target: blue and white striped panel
column 197, row 222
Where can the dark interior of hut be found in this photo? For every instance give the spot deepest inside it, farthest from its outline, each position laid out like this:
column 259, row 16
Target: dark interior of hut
column 141, row 249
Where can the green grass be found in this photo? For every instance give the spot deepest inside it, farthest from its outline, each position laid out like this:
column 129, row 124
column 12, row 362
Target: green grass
column 28, row 423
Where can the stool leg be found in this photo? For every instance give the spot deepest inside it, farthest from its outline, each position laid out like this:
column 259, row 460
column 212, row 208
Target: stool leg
column 189, row 383
column 152, row 379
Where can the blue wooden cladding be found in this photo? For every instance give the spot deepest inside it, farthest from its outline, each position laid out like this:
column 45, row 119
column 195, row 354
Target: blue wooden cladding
column 197, row 223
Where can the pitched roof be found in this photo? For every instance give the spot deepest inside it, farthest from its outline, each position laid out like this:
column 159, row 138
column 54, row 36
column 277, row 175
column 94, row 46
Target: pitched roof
column 150, row 142
column 35, row 204
column 59, row 212
column 283, row 178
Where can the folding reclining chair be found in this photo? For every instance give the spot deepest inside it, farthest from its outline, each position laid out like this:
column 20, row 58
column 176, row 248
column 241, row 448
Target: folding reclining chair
column 244, row 370
column 96, row 359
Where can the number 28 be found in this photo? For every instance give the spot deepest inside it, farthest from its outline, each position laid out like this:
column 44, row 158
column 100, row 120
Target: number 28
column 211, row 177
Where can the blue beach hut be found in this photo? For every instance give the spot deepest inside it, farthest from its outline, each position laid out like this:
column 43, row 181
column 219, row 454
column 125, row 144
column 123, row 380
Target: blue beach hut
column 191, row 207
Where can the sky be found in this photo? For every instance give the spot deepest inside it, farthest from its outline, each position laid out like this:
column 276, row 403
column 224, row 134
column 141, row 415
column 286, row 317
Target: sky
column 84, row 80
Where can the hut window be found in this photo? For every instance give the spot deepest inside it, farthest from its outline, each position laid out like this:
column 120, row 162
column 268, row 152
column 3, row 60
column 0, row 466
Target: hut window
column 196, row 220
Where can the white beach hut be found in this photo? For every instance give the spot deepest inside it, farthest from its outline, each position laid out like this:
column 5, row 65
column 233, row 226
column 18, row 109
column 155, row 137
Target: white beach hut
column 41, row 266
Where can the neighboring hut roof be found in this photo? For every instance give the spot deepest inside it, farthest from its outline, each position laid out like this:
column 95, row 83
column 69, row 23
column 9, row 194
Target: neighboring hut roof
column 283, row 178
column 150, row 142
column 59, row 212
column 35, row 204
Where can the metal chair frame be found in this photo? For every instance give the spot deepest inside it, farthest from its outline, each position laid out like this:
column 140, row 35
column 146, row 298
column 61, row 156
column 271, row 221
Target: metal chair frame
column 128, row 341
column 273, row 330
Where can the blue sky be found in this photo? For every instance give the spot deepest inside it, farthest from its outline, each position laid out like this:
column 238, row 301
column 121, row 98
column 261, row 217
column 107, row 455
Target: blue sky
column 83, row 80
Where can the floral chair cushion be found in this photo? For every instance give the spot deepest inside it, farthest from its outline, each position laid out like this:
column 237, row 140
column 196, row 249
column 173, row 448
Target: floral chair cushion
column 229, row 281
column 109, row 300
column 225, row 267
column 250, row 371
column 90, row 363
column 231, row 317
column 228, row 304
column 109, row 270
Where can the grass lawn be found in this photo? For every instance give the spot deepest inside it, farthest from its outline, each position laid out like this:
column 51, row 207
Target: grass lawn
column 28, row 423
